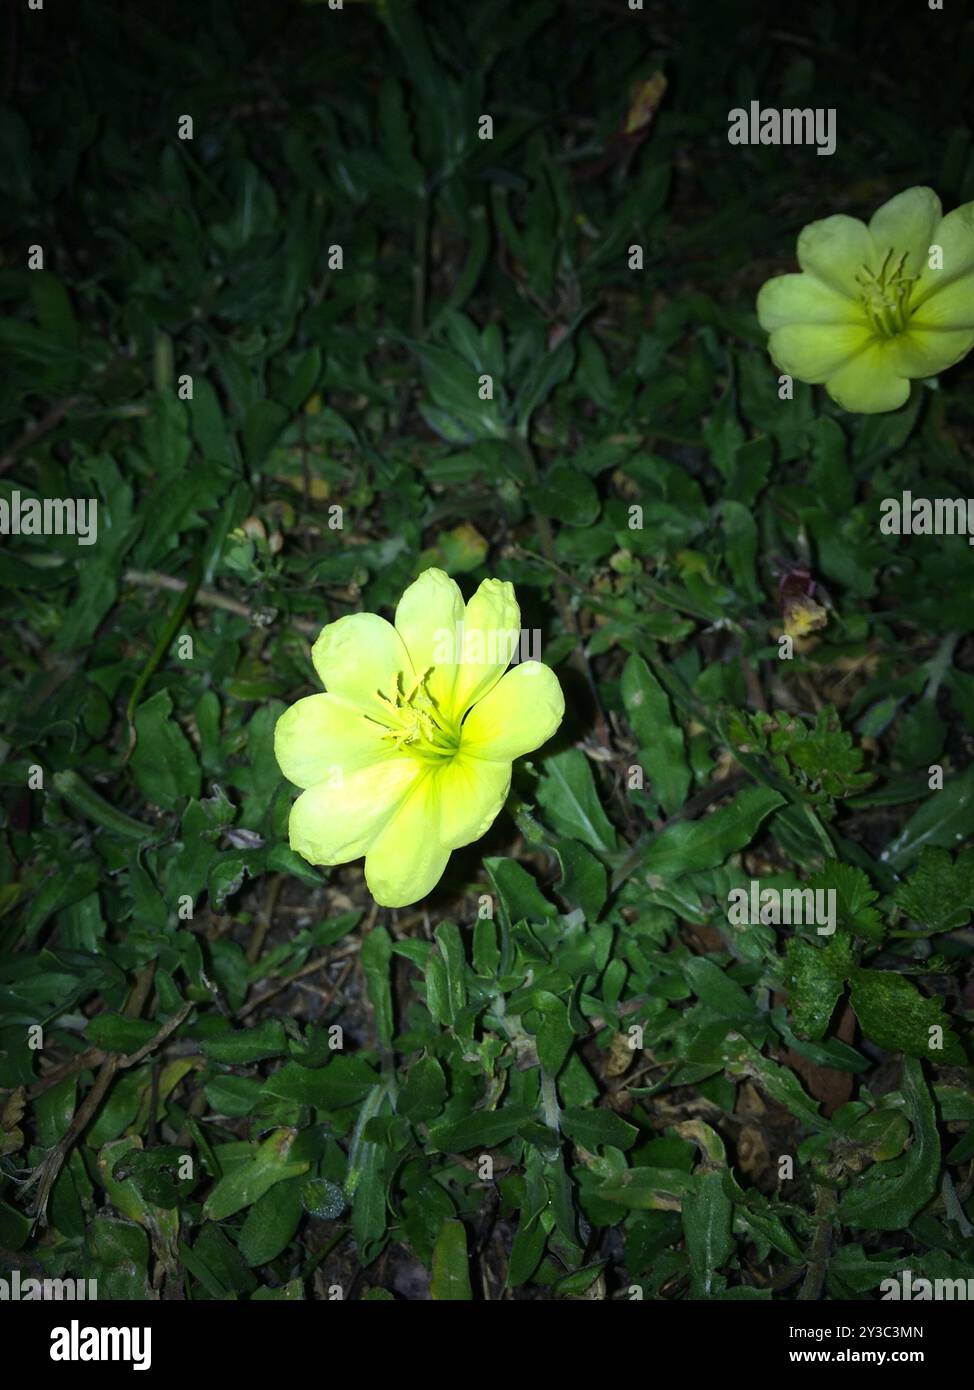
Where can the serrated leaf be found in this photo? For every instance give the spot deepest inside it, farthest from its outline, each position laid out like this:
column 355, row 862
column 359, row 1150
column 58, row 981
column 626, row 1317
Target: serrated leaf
column 163, row 763
column 816, row 976
column 940, row 892
column 893, row 1013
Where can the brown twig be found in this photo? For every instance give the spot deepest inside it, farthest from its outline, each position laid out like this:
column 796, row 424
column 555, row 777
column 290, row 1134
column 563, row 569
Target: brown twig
column 309, row 969
column 152, row 579
column 46, row 1173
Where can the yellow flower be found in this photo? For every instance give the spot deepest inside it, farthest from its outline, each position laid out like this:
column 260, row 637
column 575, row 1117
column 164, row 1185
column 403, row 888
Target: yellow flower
column 876, row 306
column 408, row 755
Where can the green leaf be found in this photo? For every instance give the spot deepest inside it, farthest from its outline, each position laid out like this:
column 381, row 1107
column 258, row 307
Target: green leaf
column 647, row 1189
column 163, row 764
column 421, row 1098
column 117, row 1254
column 718, row 991
column 816, row 976
column 707, row 1213
column 483, row 1129
column 888, row 1195
column 940, row 892
column 116, row 1033
column 548, row 370
column 376, row 956
column 245, row 1045
column 520, row 896
column 269, row 1164
column 451, row 1271
column 568, row 796
column 689, row 846
column 893, row 1013
column 554, row 1036
column 854, row 896
column 566, row 494
column 946, row 817
column 661, row 747
column 68, row 884
column 271, row 1222
column 594, row 1128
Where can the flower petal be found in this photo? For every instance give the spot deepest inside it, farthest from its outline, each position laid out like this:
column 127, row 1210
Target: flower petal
column 813, row 352
column 358, row 656
column 906, row 224
column 331, row 824
column 406, row 860
column 321, row 737
column 947, row 309
column 791, row 299
column 521, row 713
column 427, row 619
column 491, row 630
column 955, row 237
column 835, row 249
column 472, row 792
column 869, row 383
column 919, row 354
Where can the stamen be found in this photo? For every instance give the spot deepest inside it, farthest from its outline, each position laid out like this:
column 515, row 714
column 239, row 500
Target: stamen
column 413, row 722
column 886, row 295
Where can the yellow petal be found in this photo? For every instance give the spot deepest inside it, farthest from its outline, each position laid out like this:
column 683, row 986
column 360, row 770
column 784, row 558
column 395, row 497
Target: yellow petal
column 491, row 631
column 920, row 354
column 950, row 309
column 427, row 618
column 321, row 737
column 332, row 823
column 406, row 859
column 521, row 713
column 906, row 224
column 813, row 352
column 955, row 238
column 358, row 656
column 835, row 249
column 471, row 793
column 869, row 384
column 804, row 299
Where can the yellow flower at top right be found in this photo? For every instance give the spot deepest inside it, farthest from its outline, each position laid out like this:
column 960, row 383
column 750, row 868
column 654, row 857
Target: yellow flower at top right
column 875, row 306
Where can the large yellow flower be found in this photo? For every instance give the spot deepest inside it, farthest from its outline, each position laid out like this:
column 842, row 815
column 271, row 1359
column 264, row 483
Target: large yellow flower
column 876, row 306
column 408, row 755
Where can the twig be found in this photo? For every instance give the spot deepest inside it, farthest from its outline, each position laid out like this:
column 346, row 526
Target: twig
column 308, row 969
column 44, row 425
column 53, row 417
column 46, row 1173
column 152, row 579
column 263, row 924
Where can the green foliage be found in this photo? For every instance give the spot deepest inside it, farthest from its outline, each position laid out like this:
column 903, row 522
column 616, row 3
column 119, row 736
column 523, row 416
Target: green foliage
column 568, row 1073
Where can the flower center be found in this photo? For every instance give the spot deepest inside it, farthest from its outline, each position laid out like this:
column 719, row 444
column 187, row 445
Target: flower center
column 886, row 295
column 413, row 721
